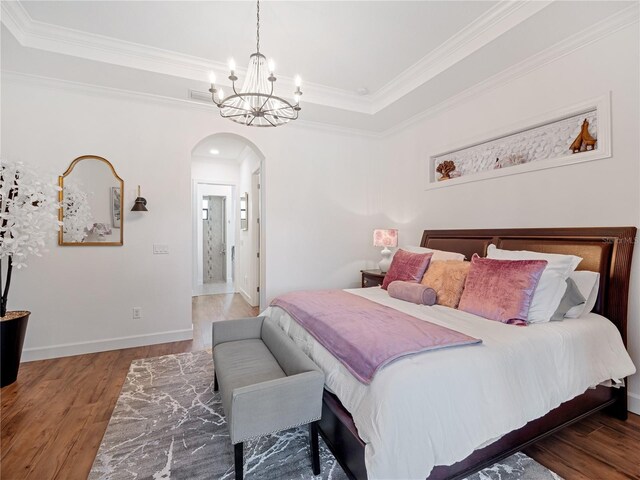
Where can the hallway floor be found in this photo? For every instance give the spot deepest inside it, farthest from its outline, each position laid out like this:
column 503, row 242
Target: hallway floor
column 212, row 308
column 214, row 288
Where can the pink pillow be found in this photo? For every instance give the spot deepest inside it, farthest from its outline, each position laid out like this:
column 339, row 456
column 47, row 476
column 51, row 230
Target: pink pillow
column 412, row 292
column 501, row 289
column 407, row 266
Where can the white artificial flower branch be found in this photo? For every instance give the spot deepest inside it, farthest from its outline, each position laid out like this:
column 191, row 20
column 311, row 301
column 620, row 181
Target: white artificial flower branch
column 28, row 218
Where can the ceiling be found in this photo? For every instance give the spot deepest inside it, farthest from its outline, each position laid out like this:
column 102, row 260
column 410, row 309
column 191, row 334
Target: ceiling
column 343, row 45
column 406, row 57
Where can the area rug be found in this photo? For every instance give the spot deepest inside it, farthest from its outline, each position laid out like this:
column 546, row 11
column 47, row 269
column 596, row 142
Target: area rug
column 168, row 423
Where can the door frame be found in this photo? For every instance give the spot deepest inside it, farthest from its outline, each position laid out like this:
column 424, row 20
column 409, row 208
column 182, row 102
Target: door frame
column 196, row 212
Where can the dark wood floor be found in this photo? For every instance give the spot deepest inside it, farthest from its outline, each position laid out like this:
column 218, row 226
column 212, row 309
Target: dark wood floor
column 53, row 418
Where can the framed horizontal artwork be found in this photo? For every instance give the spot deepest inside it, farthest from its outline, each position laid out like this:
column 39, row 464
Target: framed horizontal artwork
column 571, row 135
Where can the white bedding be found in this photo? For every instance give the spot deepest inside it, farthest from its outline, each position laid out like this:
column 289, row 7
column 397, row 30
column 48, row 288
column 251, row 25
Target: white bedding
column 437, row 407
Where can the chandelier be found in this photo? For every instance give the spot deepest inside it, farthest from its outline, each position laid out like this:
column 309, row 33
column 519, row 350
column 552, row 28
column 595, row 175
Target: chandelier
column 256, row 105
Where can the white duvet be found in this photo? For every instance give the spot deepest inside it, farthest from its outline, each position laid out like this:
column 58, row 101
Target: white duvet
column 437, row 407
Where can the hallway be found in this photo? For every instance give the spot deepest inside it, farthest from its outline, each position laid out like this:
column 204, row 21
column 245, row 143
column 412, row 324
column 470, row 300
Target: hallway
column 213, row 308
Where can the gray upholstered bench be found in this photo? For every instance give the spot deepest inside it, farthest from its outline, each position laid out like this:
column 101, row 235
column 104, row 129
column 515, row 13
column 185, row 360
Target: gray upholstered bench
column 267, row 383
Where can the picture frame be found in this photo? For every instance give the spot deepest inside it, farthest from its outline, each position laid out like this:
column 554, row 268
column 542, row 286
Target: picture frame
column 116, row 210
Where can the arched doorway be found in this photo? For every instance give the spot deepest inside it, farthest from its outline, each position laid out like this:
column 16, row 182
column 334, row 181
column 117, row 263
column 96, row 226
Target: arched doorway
column 228, row 241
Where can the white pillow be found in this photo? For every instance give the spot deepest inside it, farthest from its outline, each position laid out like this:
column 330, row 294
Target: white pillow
column 553, row 281
column 438, row 255
column 588, row 283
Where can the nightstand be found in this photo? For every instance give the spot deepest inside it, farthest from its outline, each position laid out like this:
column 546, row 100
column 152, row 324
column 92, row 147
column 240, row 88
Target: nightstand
column 372, row 278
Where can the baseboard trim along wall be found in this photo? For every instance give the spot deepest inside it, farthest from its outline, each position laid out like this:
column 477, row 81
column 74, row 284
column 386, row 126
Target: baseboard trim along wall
column 94, row 346
column 633, row 403
column 245, row 295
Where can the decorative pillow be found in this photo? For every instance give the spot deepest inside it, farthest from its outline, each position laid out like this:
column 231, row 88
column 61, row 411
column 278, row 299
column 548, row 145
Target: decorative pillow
column 447, row 278
column 412, row 292
column 572, row 298
column 501, row 289
column 589, row 284
column 553, row 282
column 437, row 254
column 407, row 266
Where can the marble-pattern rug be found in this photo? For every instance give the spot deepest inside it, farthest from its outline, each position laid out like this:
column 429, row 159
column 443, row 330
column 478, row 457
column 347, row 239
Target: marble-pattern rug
column 168, row 423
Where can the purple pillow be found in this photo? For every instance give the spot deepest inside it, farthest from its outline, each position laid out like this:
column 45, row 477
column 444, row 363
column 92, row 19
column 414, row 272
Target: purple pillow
column 407, row 266
column 501, row 289
column 412, row 292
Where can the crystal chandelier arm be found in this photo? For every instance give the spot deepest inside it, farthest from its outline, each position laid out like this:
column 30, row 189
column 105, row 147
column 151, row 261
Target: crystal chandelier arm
column 232, row 116
column 235, row 92
column 267, row 119
column 268, row 98
column 278, row 109
column 223, row 105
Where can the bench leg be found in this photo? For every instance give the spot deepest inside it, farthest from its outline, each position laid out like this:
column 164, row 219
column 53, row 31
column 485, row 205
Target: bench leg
column 315, row 451
column 215, row 382
column 239, row 459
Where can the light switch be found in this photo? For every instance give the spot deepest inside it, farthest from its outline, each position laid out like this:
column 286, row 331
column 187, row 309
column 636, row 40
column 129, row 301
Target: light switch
column 160, row 249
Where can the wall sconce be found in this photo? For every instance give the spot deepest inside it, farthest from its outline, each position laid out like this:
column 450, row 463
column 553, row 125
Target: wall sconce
column 140, row 205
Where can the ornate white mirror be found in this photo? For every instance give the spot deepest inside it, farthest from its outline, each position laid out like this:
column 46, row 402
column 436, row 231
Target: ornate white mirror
column 91, row 203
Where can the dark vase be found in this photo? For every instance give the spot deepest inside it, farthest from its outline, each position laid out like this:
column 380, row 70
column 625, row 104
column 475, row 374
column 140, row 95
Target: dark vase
column 12, row 334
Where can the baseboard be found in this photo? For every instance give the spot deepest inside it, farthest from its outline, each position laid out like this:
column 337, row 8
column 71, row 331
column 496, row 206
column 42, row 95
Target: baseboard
column 633, row 403
column 246, row 296
column 80, row 348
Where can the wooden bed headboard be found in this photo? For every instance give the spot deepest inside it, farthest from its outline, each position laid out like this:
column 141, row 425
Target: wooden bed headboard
column 607, row 250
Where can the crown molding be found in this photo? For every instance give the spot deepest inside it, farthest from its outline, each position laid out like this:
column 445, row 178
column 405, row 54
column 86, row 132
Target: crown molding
column 54, row 38
column 622, row 19
column 99, row 90
column 67, row 41
column 492, row 24
column 609, row 25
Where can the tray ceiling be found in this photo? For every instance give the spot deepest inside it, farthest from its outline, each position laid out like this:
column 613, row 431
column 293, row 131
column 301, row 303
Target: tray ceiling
column 409, row 56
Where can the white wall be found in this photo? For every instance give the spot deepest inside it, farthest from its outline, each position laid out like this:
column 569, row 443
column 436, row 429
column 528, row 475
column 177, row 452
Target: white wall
column 216, row 170
column 599, row 193
column 319, row 194
column 248, row 280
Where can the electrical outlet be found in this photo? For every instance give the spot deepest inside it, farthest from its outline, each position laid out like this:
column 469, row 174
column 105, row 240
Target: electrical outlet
column 137, row 313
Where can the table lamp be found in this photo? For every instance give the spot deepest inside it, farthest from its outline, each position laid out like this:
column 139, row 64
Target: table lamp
column 385, row 238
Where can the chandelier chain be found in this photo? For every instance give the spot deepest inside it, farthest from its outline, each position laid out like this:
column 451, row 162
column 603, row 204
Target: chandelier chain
column 258, row 26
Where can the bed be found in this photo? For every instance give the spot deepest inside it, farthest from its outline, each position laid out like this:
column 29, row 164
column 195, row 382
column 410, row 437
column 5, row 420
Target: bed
column 564, row 395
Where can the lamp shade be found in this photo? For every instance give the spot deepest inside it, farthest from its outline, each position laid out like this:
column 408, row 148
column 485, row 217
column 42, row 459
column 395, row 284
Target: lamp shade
column 385, row 238
column 140, row 204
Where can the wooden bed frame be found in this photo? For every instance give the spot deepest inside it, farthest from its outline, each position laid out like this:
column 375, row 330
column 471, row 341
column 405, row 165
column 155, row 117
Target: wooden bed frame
column 607, row 250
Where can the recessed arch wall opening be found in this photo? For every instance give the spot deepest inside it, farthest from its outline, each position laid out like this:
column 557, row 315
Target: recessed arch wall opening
column 231, row 166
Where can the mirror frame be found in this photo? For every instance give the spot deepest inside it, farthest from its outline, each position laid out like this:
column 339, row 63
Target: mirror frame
column 61, row 178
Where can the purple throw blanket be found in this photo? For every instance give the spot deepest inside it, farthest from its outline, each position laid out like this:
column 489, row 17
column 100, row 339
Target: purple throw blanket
column 364, row 335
